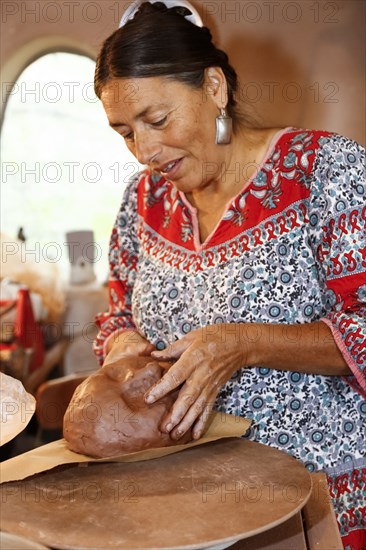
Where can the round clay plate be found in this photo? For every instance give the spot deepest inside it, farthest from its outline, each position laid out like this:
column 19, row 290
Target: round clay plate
column 207, row 496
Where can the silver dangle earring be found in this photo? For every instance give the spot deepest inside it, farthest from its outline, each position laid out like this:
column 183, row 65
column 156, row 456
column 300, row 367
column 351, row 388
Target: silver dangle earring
column 224, row 128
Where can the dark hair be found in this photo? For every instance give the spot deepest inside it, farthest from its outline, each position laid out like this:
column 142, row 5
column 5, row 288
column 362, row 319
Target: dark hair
column 160, row 41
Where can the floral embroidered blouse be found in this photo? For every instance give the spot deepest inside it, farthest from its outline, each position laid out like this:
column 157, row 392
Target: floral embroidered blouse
column 290, row 249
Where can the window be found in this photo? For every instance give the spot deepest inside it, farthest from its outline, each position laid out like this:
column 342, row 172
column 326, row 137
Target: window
column 63, row 168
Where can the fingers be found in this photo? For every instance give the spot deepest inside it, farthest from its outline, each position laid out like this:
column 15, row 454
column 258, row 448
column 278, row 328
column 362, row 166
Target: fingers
column 171, row 380
column 200, row 424
column 165, row 365
column 147, row 350
column 173, row 351
column 183, row 419
column 125, row 344
column 196, row 417
column 193, row 403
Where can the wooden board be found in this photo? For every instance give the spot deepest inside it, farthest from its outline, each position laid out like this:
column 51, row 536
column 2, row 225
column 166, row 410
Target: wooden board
column 287, row 536
column 215, row 494
column 319, row 518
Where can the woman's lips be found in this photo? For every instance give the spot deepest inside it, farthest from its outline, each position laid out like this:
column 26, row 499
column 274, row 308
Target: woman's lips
column 170, row 169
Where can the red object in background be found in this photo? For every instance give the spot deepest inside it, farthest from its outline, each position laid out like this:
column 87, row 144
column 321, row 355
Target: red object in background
column 27, row 331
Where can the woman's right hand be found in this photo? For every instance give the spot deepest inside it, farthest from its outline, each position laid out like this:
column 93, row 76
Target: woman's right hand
column 127, row 344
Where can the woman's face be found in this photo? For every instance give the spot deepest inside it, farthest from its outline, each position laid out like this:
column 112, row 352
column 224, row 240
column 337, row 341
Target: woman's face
column 169, row 126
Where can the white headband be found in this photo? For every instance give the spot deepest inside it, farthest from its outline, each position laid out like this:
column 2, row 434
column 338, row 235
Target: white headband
column 134, row 7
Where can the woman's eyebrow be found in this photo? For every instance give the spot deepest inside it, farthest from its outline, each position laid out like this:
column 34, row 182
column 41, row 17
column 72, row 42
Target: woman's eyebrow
column 117, row 124
column 141, row 114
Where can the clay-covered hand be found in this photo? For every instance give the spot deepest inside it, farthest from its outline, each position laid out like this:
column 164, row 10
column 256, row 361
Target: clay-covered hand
column 108, row 416
column 206, row 360
column 126, row 344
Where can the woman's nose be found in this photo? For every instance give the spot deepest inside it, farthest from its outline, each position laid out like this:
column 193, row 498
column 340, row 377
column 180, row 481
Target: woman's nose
column 146, row 148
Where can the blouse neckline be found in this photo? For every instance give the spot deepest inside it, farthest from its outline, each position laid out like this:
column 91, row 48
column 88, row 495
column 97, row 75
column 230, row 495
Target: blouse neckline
column 193, row 211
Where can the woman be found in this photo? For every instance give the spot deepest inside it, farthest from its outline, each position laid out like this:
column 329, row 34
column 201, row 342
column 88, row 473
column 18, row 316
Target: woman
column 238, row 252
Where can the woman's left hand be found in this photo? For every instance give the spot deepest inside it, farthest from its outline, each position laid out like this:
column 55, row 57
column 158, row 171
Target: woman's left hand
column 206, row 359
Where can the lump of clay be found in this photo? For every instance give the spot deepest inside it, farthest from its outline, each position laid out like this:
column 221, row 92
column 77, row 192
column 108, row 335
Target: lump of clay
column 108, row 416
